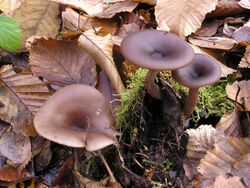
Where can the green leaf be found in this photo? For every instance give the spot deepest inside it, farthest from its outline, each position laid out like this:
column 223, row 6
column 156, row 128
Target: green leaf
column 10, row 35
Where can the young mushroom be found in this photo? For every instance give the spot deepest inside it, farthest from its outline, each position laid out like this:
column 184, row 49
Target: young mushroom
column 202, row 71
column 77, row 116
column 156, row 51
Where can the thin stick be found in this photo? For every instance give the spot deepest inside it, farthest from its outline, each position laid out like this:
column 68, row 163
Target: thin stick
column 112, row 177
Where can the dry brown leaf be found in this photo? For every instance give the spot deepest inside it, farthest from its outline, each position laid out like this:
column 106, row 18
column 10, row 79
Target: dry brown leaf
column 244, row 3
column 226, row 8
column 245, row 61
column 201, row 140
column 100, row 48
column 230, row 123
column 228, row 182
column 73, row 21
column 9, row 6
column 208, row 29
column 221, row 43
column 36, row 17
column 11, row 174
column 97, row 8
column 221, row 159
column 62, row 63
column 243, row 33
column 182, row 17
column 218, row 56
column 150, row 2
column 21, row 96
column 242, row 168
column 243, row 96
column 16, row 148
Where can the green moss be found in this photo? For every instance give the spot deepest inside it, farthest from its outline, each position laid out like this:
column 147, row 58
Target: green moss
column 131, row 99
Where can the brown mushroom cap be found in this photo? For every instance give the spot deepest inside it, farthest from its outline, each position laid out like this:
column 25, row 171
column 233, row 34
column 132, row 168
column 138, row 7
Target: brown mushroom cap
column 74, row 111
column 203, row 70
column 156, row 50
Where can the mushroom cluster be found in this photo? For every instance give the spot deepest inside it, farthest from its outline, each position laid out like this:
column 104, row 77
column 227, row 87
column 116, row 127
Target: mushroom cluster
column 160, row 51
column 77, row 116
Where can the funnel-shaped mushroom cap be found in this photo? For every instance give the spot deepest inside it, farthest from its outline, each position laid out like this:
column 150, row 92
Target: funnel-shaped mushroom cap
column 203, row 70
column 156, row 50
column 74, row 111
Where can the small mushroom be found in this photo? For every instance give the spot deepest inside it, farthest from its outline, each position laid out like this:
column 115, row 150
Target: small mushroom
column 156, row 51
column 202, row 71
column 77, row 116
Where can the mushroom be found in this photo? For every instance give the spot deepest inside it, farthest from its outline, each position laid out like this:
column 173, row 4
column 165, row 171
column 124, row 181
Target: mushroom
column 156, row 51
column 203, row 70
column 74, row 113
column 77, row 116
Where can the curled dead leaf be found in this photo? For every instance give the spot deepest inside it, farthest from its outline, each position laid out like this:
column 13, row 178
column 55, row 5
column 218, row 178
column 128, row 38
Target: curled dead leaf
column 182, row 17
column 100, row 48
column 22, row 94
column 62, row 63
column 201, row 140
column 243, row 95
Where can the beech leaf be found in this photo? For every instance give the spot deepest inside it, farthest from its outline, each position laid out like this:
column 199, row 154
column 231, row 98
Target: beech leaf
column 100, row 48
column 62, row 63
column 225, row 156
column 243, row 97
column 200, row 140
column 183, row 17
column 16, row 148
column 36, row 17
column 21, row 96
column 228, row 182
column 230, row 123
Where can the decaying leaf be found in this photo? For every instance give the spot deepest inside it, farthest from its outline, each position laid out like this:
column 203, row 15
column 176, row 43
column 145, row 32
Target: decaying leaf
column 242, row 34
column 150, row 2
column 243, row 96
column 223, row 158
column 97, row 8
column 244, row 3
column 228, row 182
column 16, row 148
column 100, row 48
column 36, row 17
column 208, row 29
column 11, row 174
column 201, row 140
column 221, row 43
column 217, row 55
column 230, row 123
column 183, row 17
column 242, row 168
column 62, row 63
column 73, row 21
column 21, row 96
column 245, row 61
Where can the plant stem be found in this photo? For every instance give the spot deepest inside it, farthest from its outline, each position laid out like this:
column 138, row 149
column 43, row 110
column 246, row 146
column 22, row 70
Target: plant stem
column 112, row 177
column 152, row 88
column 191, row 101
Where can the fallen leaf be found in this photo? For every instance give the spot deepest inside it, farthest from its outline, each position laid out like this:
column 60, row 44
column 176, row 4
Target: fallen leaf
column 245, row 61
column 221, row 43
column 62, row 63
column 242, row 34
column 208, row 29
column 10, row 174
column 182, row 17
column 200, row 140
column 9, row 6
column 73, row 21
column 42, row 18
column 226, row 8
column 228, row 182
column 222, row 159
column 150, row 2
column 21, row 95
column 16, row 148
column 218, row 56
column 244, row 3
column 10, row 36
column 230, row 123
column 96, row 8
column 243, row 96
column 242, row 169
column 100, row 48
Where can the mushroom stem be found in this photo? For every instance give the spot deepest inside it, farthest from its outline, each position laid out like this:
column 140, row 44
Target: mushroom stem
column 152, row 88
column 112, row 177
column 191, row 101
